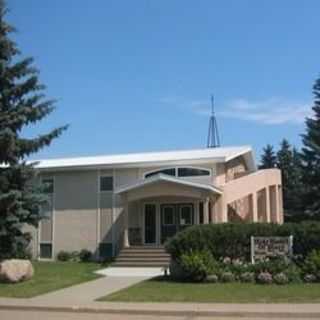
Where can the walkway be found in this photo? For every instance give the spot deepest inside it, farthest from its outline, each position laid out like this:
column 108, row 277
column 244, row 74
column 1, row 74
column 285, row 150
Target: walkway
column 86, row 292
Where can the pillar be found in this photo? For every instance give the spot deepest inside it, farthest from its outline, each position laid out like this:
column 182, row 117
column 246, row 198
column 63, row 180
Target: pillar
column 126, row 226
column 254, row 206
column 268, row 214
column 206, row 211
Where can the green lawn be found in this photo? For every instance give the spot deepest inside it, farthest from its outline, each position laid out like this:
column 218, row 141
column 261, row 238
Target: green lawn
column 50, row 276
column 159, row 290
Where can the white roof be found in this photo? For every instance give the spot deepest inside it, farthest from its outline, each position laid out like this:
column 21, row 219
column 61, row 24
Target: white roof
column 196, row 156
column 166, row 178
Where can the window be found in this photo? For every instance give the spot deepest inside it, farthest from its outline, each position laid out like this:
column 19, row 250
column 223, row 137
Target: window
column 169, row 171
column 185, row 215
column 45, row 250
column 192, row 172
column 168, row 216
column 181, row 172
column 48, row 185
column 106, row 183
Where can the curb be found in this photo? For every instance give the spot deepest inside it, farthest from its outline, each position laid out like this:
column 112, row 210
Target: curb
column 190, row 313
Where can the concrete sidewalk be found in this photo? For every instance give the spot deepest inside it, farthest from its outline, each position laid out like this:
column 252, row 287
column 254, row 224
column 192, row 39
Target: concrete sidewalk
column 84, row 293
column 271, row 311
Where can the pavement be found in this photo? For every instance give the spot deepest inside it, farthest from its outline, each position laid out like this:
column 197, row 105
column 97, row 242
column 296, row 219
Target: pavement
column 36, row 315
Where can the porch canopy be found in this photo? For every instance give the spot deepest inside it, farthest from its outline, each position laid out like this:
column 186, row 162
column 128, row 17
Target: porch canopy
column 165, row 185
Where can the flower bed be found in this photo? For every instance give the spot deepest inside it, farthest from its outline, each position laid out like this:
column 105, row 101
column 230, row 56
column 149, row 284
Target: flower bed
column 197, row 257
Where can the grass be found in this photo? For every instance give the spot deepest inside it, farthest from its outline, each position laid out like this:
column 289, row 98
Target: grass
column 50, row 276
column 159, row 290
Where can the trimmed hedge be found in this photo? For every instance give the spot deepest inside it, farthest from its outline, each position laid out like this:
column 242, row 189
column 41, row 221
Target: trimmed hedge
column 233, row 239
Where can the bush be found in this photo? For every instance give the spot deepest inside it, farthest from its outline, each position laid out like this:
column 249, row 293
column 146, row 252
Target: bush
column 264, row 278
column 85, row 255
column 293, row 272
column 280, row 278
column 310, row 278
column 248, row 277
column 74, row 256
column 233, row 239
column 194, row 266
column 212, row 278
column 312, row 264
column 64, row 256
column 227, row 277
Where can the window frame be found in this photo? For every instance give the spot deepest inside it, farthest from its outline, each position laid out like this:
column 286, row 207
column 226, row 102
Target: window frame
column 46, row 243
column 106, row 176
column 163, row 216
column 189, row 205
column 176, row 168
column 52, row 217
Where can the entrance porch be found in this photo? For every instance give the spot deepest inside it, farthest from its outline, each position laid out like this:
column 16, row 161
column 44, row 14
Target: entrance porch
column 155, row 209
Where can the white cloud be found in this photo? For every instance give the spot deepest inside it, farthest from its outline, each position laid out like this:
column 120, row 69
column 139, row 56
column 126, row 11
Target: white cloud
column 272, row 111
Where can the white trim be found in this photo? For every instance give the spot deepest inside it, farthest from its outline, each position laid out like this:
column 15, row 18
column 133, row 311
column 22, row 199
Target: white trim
column 166, row 158
column 113, row 215
column 166, row 178
column 176, row 170
column 52, row 242
column 98, row 213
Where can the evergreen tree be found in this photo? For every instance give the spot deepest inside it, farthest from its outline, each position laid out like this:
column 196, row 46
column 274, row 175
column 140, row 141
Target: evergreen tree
column 288, row 161
column 268, row 158
column 311, row 156
column 22, row 103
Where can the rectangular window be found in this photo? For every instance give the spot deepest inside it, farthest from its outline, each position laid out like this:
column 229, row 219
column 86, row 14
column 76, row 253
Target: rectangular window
column 45, row 250
column 168, row 215
column 106, row 183
column 186, row 213
column 48, row 185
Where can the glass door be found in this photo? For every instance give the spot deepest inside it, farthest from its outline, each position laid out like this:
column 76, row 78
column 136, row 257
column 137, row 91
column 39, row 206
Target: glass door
column 150, row 224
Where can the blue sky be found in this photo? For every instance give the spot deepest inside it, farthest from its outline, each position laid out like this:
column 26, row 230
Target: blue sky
column 135, row 76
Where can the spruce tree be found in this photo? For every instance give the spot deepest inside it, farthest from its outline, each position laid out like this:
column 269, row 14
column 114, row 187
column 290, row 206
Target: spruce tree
column 311, row 156
column 22, row 103
column 288, row 161
column 268, row 158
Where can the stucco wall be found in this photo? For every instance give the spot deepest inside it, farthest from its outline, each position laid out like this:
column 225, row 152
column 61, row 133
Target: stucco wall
column 76, row 212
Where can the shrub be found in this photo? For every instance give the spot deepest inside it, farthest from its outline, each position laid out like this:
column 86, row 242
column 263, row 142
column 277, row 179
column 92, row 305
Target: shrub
column 212, row 278
column 312, row 264
column 280, row 278
column 63, row 256
column 293, row 272
column 264, row 278
column 85, row 255
column 74, row 256
column 310, row 278
column 233, row 239
column 194, row 266
column 248, row 277
column 227, row 277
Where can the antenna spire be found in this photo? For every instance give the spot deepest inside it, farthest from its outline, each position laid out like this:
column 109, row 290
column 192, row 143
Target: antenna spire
column 213, row 140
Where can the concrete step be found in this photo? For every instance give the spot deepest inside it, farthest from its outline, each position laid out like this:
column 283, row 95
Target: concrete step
column 130, row 259
column 140, row 264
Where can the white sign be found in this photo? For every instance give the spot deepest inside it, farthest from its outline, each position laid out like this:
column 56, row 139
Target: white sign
column 270, row 247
